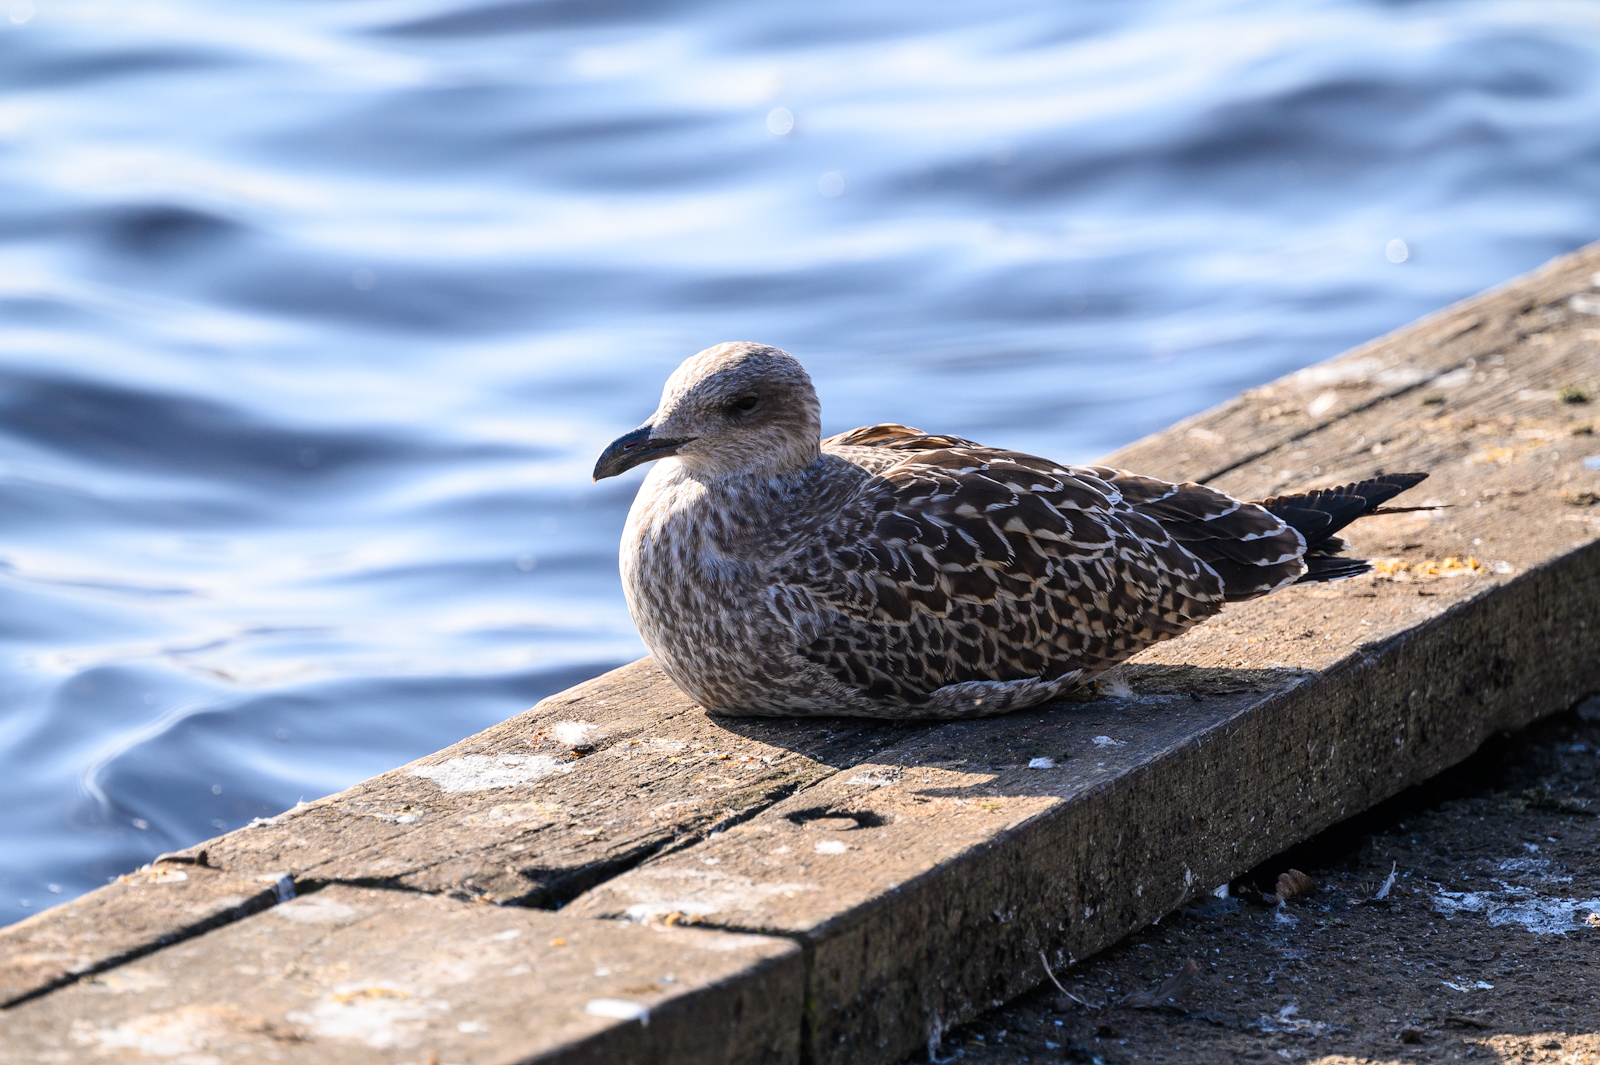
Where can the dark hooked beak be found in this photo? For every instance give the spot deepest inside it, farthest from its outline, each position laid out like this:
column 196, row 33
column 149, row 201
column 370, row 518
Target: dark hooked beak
column 633, row 449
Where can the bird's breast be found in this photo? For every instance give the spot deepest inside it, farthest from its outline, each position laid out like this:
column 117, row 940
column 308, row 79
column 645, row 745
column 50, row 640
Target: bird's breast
column 672, row 535
column 687, row 591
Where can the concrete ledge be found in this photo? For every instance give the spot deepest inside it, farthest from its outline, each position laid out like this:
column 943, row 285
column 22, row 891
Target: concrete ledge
column 541, row 807
column 139, row 913
column 923, row 869
column 352, row 975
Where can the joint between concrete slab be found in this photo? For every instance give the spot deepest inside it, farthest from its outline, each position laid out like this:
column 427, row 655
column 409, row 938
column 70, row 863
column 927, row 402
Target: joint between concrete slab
column 733, row 820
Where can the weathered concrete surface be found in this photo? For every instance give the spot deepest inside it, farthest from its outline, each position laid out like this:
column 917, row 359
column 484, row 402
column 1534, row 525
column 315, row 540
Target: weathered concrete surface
column 925, row 867
column 541, row 807
column 350, row 975
column 958, row 865
column 139, row 913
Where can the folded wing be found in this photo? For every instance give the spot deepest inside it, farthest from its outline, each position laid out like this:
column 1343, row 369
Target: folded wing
column 959, row 562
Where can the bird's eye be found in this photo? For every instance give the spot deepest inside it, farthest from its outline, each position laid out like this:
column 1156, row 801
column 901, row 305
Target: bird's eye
column 745, row 404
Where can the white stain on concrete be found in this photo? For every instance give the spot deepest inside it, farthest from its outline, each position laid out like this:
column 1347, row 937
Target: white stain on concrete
column 1041, row 763
column 1478, row 986
column 700, row 892
column 645, row 911
column 619, row 1008
column 379, row 1015
column 480, row 772
column 1355, row 371
column 572, row 733
column 1107, row 741
column 1539, row 914
column 1542, row 869
column 831, row 846
column 189, row 1032
column 1286, row 1021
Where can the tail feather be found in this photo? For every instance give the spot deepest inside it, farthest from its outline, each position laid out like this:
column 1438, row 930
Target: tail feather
column 1320, row 515
column 1314, row 525
column 1333, row 568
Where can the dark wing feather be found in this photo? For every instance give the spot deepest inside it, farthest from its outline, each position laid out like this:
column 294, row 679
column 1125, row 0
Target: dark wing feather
column 1252, row 549
column 966, row 563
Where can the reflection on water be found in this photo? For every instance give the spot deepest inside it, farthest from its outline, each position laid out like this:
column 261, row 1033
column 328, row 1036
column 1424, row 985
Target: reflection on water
column 315, row 316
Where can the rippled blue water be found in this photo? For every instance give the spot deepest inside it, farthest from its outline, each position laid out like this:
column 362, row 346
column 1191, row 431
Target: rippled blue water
column 316, row 315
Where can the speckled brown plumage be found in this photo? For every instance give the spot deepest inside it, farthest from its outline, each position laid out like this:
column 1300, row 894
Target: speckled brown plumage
column 886, row 572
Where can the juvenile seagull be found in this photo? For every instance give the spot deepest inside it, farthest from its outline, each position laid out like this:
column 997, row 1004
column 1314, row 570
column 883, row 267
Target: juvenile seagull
column 886, row 572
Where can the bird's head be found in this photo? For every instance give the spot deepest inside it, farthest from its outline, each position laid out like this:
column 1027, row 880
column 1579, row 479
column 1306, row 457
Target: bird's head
column 734, row 409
